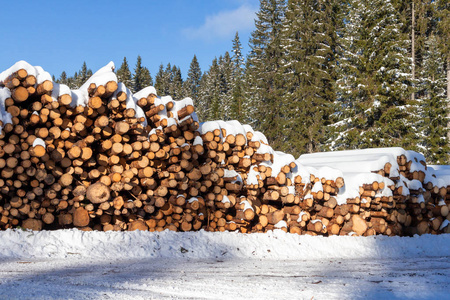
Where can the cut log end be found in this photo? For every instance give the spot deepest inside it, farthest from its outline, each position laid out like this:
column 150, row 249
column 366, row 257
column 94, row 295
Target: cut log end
column 98, row 193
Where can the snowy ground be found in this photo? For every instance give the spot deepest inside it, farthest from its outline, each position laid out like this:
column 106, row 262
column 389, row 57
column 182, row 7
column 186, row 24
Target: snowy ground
column 71, row 264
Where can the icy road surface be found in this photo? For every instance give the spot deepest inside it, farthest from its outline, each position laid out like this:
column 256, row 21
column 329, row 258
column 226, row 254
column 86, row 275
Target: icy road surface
column 71, row 264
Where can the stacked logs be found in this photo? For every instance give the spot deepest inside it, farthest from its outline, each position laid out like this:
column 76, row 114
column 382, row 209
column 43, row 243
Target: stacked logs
column 102, row 158
column 396, row 199
column 103, row 164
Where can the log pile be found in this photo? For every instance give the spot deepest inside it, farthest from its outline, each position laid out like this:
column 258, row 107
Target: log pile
column 102, row 158
column 399, row 196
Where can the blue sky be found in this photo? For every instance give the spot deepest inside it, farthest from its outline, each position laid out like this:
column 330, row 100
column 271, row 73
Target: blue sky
column 60, row 35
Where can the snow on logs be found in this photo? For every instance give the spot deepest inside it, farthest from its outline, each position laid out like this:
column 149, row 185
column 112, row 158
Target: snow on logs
column 103, row 158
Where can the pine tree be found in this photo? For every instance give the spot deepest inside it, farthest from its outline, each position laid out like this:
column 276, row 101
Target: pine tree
column 442, row 10
column 72, row 81
column 238, row 107
column 226, row 79
column 264, row 74
column 176, row 84
column 141, row 77
column 168, row 79
column 192, row 84
column 124, row 74
column 432, row 122
column 208, row 105
column 83, row 75
column 309, row 37
column 374, row 79
column 62, row 78
column 164, row 79
column 159, row 78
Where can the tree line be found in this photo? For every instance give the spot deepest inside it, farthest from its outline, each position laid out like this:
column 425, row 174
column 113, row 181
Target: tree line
column 326, row 75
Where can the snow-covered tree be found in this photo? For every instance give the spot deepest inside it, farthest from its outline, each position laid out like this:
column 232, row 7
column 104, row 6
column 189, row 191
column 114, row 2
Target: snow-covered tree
column 226, row 79
column 169, row 81
column 160, row 85
column 83, row 75
column 62, row 78
column 433, row 121
column 264, row 76
column 141, row 77
column 176, row 83
column 192, row 84
column 124, row 74
column 309, row 41
column 238, row 106
column 208, row 104
column 374, row 78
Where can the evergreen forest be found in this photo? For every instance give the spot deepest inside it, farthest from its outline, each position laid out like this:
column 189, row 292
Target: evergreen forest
column 325, row 75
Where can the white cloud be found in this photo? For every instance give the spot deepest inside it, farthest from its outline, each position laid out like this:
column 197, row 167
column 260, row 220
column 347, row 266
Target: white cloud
column 224, row 24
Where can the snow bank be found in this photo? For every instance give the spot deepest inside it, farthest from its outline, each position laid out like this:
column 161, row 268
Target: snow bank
column 203, row 245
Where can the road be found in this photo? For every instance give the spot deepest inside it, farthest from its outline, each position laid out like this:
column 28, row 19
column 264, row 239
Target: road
column 237, row 278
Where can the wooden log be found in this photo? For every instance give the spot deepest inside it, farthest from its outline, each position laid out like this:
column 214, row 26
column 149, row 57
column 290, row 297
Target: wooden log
column 81, row 217
column 44, row 87
column 98, row 193
column 185, row 111
column 32, row 224
column 19, row 94
column 95, row 102
column 15, row 77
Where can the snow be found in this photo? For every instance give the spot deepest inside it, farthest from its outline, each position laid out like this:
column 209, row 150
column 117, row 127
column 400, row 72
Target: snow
column 101, row 77
column 72, row 264
column 208, row 126
column 259, row 137
column 145, row 92
column 263, row 148
column 42, row 75
column 317, row 187
column 246, row 205
column 5, row 116
column 235, row 128
column 281, row 224
column 441, row 172
column 225, row 199
column 280, row 159
column 302, row 171
column 365, row 160
column 252, row 175
column 59, row 90
column 155, row 130
column 229, row 173
column 198, row 141
column 39, row 142
column 192, row 199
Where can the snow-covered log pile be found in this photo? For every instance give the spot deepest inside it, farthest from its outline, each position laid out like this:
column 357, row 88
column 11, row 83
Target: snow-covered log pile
column 97, row 157
column 102, row 158
column 391, row 189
